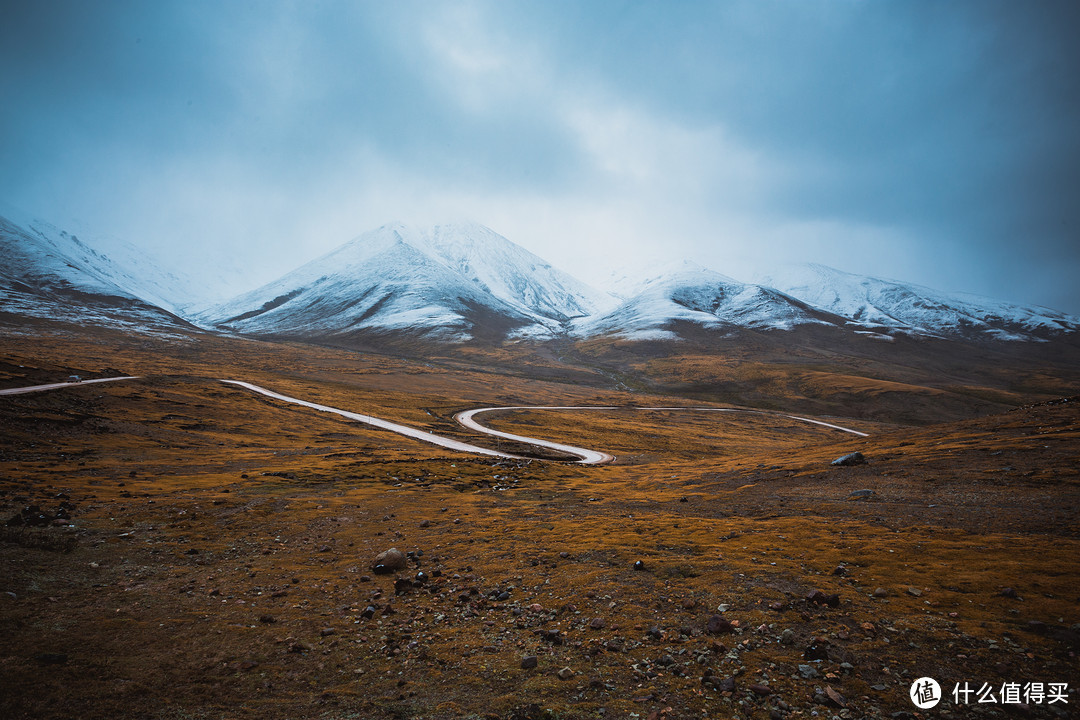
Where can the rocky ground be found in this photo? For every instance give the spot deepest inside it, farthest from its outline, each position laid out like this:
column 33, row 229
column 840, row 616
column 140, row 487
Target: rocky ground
column 177, row 549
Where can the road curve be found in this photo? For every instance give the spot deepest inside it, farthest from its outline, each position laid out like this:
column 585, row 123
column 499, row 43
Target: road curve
column 587, row 457
column 56, row 386
column 594, row 457
column 379, row 423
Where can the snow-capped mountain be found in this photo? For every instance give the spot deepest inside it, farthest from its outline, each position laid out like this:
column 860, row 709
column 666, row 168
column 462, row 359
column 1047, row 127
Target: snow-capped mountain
column 453, row 282
column 463, row 281
column 49, row 273
column 892, row 306
column 691, row 293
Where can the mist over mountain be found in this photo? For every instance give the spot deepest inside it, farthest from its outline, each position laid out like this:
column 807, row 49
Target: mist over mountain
column 464, row 282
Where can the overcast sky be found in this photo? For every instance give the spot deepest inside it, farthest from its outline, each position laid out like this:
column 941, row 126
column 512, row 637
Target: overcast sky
column 936, row 142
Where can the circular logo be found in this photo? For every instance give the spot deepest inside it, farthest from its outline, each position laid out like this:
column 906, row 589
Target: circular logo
column 925, row 693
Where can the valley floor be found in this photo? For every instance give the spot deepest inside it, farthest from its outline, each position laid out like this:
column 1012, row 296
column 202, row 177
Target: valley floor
column 217, row 556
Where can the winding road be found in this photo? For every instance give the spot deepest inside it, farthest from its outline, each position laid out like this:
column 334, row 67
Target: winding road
column 465, row 419
column 56, row 386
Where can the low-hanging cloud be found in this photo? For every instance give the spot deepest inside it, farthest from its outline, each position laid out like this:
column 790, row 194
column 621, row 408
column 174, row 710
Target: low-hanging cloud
column 931, row 141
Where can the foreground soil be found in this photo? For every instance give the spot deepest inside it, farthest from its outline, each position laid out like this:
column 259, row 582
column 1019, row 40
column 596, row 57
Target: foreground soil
column 209, row 553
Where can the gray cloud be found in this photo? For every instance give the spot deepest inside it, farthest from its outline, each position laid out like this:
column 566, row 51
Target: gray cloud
column 931, row 141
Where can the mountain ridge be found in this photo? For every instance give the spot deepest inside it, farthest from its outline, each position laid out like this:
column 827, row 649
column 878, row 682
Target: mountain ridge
column 462, row 282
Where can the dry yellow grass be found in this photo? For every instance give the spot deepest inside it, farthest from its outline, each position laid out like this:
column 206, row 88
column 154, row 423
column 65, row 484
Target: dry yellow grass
column 220, row 564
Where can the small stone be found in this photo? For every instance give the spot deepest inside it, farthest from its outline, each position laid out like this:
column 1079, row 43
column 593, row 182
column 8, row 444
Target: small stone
column 760, row 689
column 564, row 555
column 835, row 697
column 716, row 625
column 787, row 637
column 327, row 631
column 528, row 662
column 389, row 561
column 597, row 623
column 425, row 523
column 1009, row 593
column 818, row 650
column 855, row 458
column 268, row 619
column 820, row 598
column 880, row 592
column 859, row 494
column 565, row 674
column 639, row 565
column 369, row 612
column 808, row 671
column 536, row 608
column 914, row 591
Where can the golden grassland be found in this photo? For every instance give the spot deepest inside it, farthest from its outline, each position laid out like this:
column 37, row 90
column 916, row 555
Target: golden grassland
column 220, row 562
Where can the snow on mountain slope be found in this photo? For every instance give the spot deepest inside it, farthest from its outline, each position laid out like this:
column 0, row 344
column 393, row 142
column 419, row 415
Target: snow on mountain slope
column 698, row 295
column 51, row 274
column 891, row 305
column 453, row 283
column 513, row 274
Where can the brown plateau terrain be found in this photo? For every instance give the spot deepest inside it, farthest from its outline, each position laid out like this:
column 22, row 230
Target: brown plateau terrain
column 207, row 552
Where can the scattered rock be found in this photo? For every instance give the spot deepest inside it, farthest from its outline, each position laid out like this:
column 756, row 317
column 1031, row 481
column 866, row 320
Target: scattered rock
column 725, row 685
column 760, row 689
column 880, row 592
column 855, row 458
column 835, row 697
column 326, row 631
column 1009, row 593
column 388, row 561
column 639, row 565
column 528, row 662
column 425, row 523
column 597, row 623
column 914, row 591
column 819, row 597
column 787, row 637
column 552, row 636
column 808, row 671
column 857, row 494
column 268, row 619
column 565, row 674
column 818, row 650
column 716, row 625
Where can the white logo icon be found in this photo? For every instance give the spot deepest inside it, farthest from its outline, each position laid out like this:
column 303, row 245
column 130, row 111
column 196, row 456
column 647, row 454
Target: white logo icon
column 925, row 693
